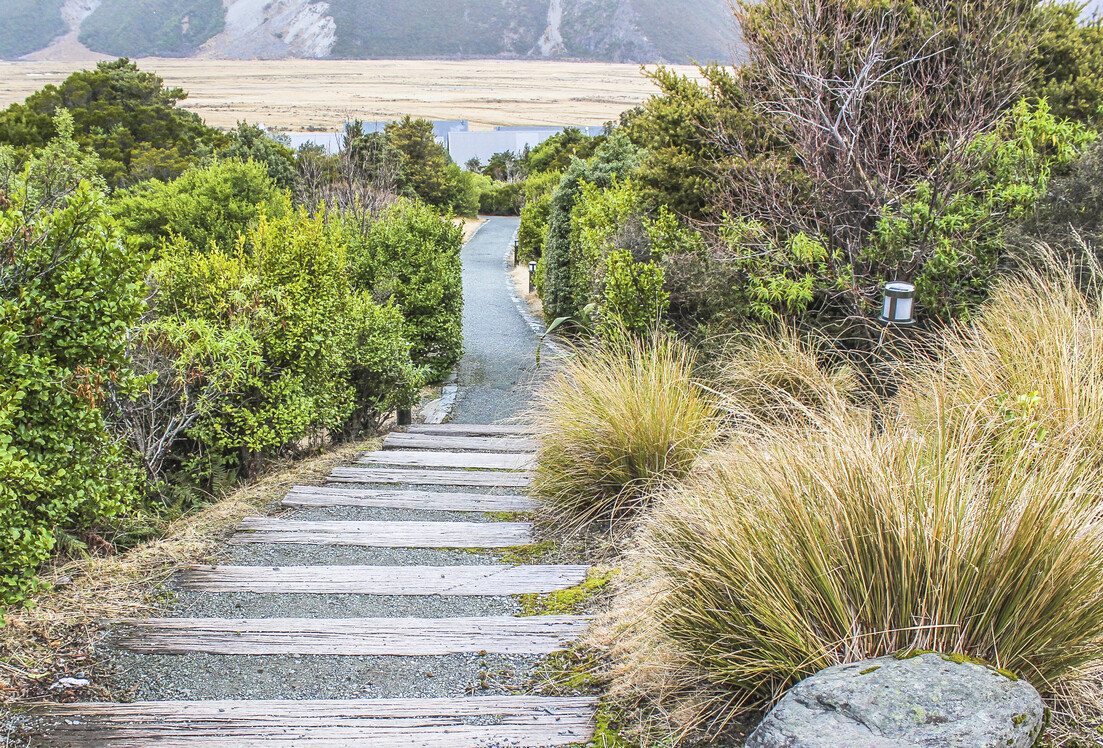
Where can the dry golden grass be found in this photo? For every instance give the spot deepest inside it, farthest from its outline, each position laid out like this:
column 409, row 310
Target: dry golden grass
column 57, row 635
column 617, row 420
column 962, row 518
column 300, row 94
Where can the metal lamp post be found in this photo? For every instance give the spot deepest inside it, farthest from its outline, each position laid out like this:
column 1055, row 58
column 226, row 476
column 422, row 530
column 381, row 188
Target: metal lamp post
column 532, row 275
column 899, row 304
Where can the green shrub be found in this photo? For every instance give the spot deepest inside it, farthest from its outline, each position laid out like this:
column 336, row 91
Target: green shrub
column 566, row 285
column 501, row 198
column 538, row 193
column 71, row 290
column 411, row 257
column 308, row 349
column 616, row 422
column 126, row 116
column 273, row 152
column 210, row 205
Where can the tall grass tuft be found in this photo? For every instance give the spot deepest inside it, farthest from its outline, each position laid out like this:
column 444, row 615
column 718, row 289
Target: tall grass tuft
column 616, row 422
column 783, row 378
column 965, row 517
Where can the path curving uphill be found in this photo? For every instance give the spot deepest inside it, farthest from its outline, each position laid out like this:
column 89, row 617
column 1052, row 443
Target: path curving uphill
column 376, row 611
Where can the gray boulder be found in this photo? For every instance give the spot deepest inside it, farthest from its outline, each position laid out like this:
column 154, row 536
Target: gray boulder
column 924, row 701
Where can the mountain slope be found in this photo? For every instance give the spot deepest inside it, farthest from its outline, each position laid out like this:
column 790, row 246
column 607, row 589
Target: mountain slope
column 608, row 30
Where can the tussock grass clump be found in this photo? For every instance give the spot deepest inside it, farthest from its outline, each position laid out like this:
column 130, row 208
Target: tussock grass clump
column 781, row 378
column 829, row 546
column 965, row 516
column 1033, row 361
column 616, row 422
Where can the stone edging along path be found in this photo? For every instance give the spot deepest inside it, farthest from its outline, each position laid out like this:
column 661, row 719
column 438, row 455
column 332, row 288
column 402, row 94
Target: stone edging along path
column 458, row 720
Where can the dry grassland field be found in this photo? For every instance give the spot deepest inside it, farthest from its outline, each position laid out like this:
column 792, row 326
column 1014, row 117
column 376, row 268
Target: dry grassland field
column 300, row 94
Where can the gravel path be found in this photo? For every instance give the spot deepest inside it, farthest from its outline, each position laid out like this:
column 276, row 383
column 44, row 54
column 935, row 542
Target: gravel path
column 495, row 378
column 498, row 371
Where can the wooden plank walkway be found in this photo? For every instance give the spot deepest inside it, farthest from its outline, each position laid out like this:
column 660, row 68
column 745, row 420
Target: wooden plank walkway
column 351, row 636
column 384, row 723
column 384, row 534
column 316, row 496
column 459, row 443
column 412, row 477
column 463, row 456
column 466, row 429
column 465, row 460
column 385, row 580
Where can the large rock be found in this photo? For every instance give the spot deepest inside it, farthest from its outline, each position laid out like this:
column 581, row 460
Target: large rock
column 927, row 701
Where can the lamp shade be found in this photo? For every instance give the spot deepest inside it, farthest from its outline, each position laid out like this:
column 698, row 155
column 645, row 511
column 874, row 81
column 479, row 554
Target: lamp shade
column 532, row 266
column 899, row 304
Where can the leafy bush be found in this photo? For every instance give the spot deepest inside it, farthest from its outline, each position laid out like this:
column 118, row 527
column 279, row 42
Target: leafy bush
column 411, row 257
column 71, row 289
column 273, row 152
column 538, row 193
column 566, row 285
column 617, row 422
column 215, row 204
column 126, row 116
column 501, row 198
column 307, row 348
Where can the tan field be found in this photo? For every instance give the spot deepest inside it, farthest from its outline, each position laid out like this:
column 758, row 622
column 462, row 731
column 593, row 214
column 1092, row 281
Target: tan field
column 301, row 94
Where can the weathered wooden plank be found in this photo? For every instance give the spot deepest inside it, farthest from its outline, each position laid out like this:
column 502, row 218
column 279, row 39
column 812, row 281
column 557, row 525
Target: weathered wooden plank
column 351, row 636
column 466, row 429
column 415, row 477
column 398, row 440
column 465, row 736
column 466, row 460
column 384, row 534
column 405, row 723
column 315, row 496
column 384, row 580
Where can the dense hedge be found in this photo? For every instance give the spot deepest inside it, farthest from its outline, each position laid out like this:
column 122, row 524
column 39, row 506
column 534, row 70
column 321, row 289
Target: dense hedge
column 303, row 339
column 71, row 289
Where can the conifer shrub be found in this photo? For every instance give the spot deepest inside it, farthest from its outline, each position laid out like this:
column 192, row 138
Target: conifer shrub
column 617, row 421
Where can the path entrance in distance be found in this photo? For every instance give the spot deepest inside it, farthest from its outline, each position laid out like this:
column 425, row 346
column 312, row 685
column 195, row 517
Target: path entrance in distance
column 376, row 611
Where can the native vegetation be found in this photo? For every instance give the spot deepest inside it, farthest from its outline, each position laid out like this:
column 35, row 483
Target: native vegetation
column 182, row 306
column 802, row 485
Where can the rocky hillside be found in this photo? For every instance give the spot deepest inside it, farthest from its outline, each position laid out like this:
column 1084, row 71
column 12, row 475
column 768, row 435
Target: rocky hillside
column 610, row 30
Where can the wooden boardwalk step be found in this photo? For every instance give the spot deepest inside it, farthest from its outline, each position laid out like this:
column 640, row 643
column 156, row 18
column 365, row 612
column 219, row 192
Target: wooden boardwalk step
column 467, row 460
column 417, row 477
column 315, row 496
column 351, row 636
column 398, row 440
column 385, row 580
column 521, row 721
column 466, row 429
column 385, row 534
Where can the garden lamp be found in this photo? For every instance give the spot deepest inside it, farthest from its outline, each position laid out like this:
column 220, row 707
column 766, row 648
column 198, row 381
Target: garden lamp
column 899, row 305
column 532, row 275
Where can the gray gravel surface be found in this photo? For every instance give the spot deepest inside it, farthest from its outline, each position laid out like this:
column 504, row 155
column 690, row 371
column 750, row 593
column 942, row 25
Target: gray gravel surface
column 497, row 373
column 202, row 677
